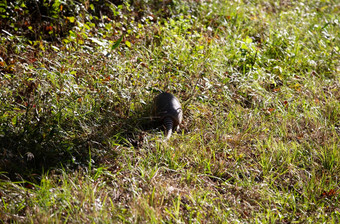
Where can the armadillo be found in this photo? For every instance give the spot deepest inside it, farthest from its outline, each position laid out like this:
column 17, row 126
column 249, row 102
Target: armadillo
column 167, row 109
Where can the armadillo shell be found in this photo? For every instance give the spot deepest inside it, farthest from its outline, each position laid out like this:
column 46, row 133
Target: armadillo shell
column 167, row 105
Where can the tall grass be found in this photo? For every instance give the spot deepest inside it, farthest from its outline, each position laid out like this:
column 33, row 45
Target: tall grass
column 259, row 84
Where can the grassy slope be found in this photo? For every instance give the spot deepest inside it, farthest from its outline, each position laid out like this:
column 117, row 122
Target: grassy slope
column 260, row 140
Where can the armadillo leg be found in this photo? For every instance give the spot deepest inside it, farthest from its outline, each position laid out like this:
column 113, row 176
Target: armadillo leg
column 168, row 123
column 168, row 134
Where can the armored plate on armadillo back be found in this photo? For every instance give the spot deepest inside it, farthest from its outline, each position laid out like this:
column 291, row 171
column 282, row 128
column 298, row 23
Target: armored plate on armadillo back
column 168, row 110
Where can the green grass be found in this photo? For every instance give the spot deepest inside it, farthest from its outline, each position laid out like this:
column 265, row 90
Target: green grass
column 259, row 83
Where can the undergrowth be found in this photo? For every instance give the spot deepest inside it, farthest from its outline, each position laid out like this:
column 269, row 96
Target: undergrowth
column 259, row 85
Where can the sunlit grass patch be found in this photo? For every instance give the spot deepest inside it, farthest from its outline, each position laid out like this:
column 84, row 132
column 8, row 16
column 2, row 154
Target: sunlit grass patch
column 259, row 85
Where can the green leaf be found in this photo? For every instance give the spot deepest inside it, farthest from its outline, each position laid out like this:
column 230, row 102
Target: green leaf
column 244, row 46
column 116, row 44
column 128, row 43
column 14, row 120
column 87, row 27
column 248, row 40
column 71, row 19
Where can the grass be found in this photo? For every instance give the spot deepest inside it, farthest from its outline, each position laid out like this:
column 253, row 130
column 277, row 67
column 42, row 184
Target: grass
column 259, row 83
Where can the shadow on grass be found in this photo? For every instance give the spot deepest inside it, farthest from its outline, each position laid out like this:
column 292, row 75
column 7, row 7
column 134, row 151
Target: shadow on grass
column 26, row 154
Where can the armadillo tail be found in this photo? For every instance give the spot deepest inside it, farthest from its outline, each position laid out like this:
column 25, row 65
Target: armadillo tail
column 168, row 123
